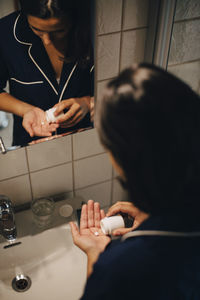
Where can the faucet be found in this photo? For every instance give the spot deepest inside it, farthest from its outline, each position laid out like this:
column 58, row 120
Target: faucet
column 7, row 219
column 2, row 146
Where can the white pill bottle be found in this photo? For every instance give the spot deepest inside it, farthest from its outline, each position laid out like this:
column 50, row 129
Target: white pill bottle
column 108, row 224
column 50, row 115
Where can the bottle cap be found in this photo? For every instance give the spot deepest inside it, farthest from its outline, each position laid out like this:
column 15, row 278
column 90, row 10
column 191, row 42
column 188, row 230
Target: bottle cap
column 109, row 224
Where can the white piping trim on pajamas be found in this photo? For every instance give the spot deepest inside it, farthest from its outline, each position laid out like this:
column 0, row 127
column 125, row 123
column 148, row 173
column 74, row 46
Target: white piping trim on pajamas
column 66, row 83
column 92, row 68
column 159, row 233
column 29, row 44
column 29, row 52
column 23, row 82
column 14, row 29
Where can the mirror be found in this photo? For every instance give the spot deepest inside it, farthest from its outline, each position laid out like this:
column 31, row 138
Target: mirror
column 45, row 60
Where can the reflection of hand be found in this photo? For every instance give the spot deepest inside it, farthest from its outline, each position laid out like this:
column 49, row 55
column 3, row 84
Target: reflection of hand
column 77, row 109
column 34, row 122
column 127, row 207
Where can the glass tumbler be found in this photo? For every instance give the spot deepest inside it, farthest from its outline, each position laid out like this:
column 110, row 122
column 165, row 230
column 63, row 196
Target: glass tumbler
column 43, row 210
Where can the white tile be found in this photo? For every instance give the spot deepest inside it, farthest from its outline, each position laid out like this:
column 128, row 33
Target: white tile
column 187, row 9
column 133, row 47
column 86, row 143
column 50, row 153
column 100, row 88
column 13, row 163
column 17, row 189
column 92, row 170
column 185, row 42
column 108, row 56
column 99, row 193
column 188, row 72
column 135, row 13
column 118, row 194
column 52, row 181
column 109, row 15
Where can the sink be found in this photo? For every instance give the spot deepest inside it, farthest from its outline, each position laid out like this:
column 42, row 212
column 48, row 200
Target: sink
column 55, row 266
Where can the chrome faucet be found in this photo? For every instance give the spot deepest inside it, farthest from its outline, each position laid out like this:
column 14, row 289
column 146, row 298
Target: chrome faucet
column 7, row 219
column 2, row 146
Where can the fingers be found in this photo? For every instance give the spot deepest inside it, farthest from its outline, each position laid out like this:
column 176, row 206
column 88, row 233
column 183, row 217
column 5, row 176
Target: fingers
column 102, row 214
column 74, row 231
column 76, row 119
column 90, row 206
column 64, row 104
column 97, row 216
column 84, row 217
column 121, row 231
column 125, row 207
column 27, row 126
column 70, row 114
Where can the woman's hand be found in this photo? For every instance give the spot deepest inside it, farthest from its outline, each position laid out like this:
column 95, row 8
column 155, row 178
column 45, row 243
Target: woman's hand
column 127, row 207
column 86, row 239
column 35, row 123
column 77, row 109
column 90, row 238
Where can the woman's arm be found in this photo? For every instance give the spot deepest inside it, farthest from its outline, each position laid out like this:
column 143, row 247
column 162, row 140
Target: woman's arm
column 34, row 119
column 12, row 105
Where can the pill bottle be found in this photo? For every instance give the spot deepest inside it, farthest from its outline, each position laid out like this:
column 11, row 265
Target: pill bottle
column 108, row 224
column 50, row 115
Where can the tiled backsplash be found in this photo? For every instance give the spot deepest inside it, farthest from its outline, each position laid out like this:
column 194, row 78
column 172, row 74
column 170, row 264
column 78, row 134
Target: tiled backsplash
column 78, row 164
column 184, row 58
column 51, row 168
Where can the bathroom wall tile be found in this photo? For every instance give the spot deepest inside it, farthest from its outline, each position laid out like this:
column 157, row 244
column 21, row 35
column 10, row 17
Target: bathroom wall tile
column 52, row 181
column 50, row 153
column 92, row 170
column 187, row 9
column 13, row 163
column 99, row 193
column 109, row 15
column 188, row 72
column 6, row 7
column 185, row 45
column 133, row 47
column 118, row 193
column 86, row 143
column 100, row 87
column 135, row 13
column 17, row 189
column 108, row 56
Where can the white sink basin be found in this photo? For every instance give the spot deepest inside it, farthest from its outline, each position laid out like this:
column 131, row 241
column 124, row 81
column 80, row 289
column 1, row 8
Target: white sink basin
column 56, row 267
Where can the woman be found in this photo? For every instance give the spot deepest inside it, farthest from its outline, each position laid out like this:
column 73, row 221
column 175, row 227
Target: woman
column 149, row 122
column 46, row 55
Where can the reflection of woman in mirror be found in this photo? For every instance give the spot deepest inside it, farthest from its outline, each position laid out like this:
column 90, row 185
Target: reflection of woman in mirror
column 46, row 55
column 149, row 122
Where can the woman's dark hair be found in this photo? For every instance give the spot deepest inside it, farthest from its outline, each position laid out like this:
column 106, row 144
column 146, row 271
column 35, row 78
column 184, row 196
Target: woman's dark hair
column 79, row 46
column 150, row 122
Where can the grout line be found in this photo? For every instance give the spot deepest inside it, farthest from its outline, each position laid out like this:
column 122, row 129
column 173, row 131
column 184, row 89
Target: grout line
column 121, row 38
column 184, row 63
column 187, row 20
column 94, row 184
column 122, row 31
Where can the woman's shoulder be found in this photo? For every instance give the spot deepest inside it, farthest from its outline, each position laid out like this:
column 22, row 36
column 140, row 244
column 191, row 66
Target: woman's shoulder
column 9, row 20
